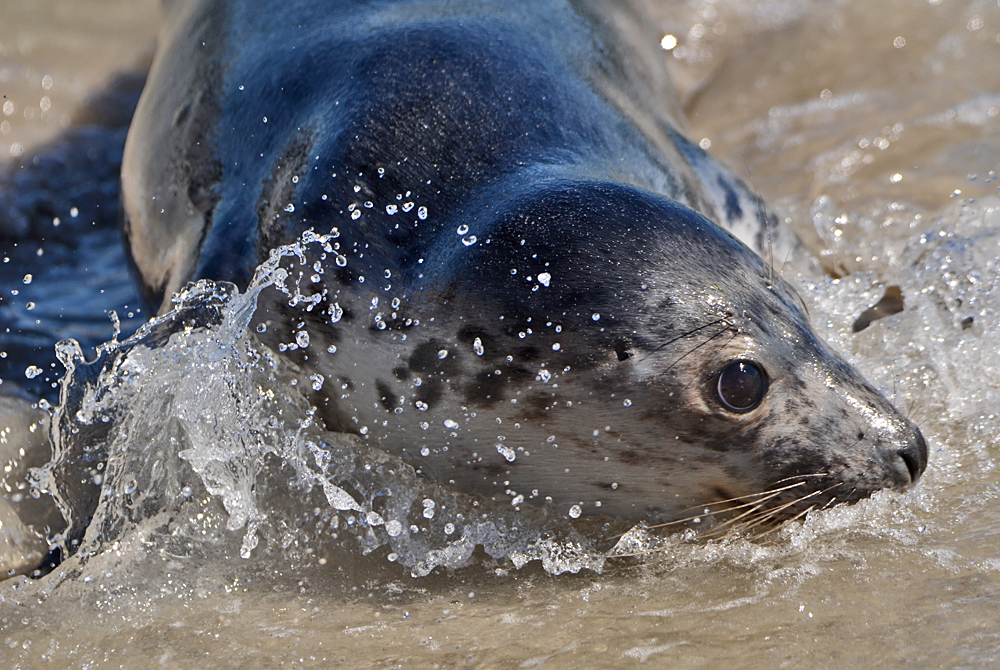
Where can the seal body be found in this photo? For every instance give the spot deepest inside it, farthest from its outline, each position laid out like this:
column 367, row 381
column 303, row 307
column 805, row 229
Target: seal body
column 535, row 287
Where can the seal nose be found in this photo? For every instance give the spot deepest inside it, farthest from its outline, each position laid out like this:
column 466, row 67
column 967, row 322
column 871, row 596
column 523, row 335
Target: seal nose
column 913, row 454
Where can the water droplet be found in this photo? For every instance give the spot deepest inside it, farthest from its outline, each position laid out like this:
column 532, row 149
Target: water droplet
column 506, row 452
column 27, row 279
column 261, row 327
column 302, row 339
column 517, row 500
column 393, row 528
column 374, row 303
column 289, row 207
column 364, row 430
column 470, row 240
column 449, row 423
column 544, row 375
column 74, row 212
column 356, row 214
column 477, row 346
column 424, row 426
column 407, row 206
column 556, row 346
column 462, row 229
column 391, row 209
column 443, row 354
column 595, row 316
column 421, row 212
column 425, row 451
column 575, row 512
column 32, row 371
column 627, row 403
column 317, row 381
column 332, row 349
column 544, row 278
column 357, row 189
column 421, row 405
column 449, row 528
column 341, row 262
column 336, row 312
column 395, row 301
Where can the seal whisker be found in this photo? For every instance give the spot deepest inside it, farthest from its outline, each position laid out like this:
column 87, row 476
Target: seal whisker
column 682, row 336
column 691, row 351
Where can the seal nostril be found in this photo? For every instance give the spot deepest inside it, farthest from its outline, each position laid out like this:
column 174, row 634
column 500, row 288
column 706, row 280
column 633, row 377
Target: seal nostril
column 914, row 455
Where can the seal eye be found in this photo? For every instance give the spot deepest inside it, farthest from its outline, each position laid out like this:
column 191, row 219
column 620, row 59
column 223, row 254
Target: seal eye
column 741, row 386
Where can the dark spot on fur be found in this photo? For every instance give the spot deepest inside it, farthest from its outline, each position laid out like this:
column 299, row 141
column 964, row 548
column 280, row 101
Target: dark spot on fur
column 385, row 394
column 401, row 372
column 621, row 350
column 733, row 209
column 485, row 390
column 425, row 358
column 528, row 354
column 430, row 391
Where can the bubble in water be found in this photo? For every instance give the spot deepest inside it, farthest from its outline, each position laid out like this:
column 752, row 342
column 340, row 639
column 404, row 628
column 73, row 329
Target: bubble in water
column 595, row 316
column 506, row 452
column 27, row 279
column 393, row 527
column 449, row 528
column 443, row 354
column 462, row 229
column 477, row 346
column 32, row 371
column 332, row 349
column 517, row 500
column 356, row 214
column 289, row 208
column 421, row 212
column 317, row 381
column 425, row 451
column 302, row 339
column 575, row 512
column 373, row 519
column 407, row 206
column 421, row 405
column 556, row 346
column 261, row 327
column 29, row 306
column 341, row 262
column 627, row 403
column 448, row 423
column 544, row 375
column 391, row 209
column 544, row 278
column 470, row 240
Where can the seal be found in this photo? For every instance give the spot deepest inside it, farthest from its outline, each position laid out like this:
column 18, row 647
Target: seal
column 534, row 286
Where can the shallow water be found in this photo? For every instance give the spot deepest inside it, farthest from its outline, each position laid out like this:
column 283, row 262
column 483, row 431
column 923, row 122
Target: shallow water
column 878, row 151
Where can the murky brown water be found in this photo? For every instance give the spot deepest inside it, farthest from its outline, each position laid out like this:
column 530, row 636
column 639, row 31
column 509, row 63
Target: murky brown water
column 859, row 122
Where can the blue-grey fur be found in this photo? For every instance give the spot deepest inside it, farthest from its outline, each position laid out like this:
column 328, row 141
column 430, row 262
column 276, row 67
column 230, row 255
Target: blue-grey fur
column 554, row 326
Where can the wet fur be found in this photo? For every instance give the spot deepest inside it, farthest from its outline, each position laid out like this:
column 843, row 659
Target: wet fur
column 542, row 128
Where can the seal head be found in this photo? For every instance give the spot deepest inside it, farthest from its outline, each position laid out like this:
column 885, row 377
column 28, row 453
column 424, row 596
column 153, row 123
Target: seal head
column 603, row 347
